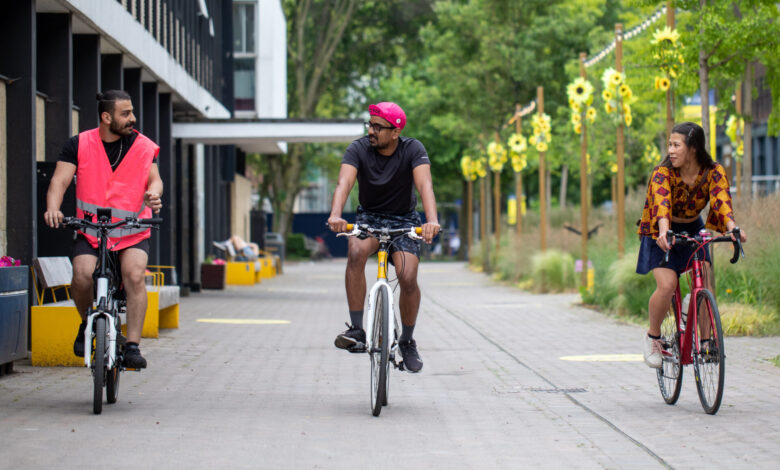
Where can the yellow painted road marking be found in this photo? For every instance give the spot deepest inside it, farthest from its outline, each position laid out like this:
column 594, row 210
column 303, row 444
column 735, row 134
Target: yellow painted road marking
column 450, row 284
column 243, row 321
column 604, row 358
column 298, row 291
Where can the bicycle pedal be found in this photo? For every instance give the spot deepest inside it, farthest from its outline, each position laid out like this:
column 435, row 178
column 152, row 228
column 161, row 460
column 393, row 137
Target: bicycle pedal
column 130, row 369
column 358, row 348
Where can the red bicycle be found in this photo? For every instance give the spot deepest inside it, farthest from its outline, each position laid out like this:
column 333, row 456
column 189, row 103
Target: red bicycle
column 693, row 334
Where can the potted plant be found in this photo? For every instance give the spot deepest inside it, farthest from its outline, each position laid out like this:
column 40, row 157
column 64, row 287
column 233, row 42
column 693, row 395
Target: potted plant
column 212, row 273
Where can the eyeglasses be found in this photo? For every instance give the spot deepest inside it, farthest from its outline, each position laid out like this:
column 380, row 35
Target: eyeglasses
column 376, row 126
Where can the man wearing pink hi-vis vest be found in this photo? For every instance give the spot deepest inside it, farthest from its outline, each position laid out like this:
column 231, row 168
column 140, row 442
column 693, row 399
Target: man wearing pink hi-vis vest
column 115, row 167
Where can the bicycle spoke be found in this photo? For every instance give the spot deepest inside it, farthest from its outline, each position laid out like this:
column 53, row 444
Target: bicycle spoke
column 709, row 365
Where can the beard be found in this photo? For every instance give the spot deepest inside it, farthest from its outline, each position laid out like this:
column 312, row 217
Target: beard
column 375, row 144
column 120, row 130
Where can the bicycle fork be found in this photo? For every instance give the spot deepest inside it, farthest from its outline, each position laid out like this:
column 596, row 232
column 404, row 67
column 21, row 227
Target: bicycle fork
column 102, row 295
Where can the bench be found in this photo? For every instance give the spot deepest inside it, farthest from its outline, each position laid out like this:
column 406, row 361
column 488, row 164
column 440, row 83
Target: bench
column 244, row 273
column 54, row 319
column 161, row 298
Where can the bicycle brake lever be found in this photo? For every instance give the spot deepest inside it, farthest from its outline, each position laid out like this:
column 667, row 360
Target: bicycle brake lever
column 355, row 232
column 413, row 235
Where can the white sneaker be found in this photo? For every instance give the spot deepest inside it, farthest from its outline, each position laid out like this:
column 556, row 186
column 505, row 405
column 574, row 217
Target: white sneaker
column 222, row 245
column 653, row 352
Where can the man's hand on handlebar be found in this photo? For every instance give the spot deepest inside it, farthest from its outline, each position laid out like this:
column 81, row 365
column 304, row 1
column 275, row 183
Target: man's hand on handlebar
column 53, row 218
column 153, row 201
column 430, row 230
column 337, row 224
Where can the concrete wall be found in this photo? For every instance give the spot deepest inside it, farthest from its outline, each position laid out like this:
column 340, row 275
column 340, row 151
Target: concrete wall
column 3, row 172
column 241, row 205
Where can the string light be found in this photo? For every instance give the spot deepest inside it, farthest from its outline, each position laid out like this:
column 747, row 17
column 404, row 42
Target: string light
column 625, row 36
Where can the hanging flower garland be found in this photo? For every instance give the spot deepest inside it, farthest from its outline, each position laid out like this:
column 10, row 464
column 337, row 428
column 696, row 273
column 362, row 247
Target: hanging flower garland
column 497, row 156
column 735, row 127
column 667, row 54
column 651, row 155
column 517, row 148
column 542, row 132
column 580, row 93
column 617, row 96
column 467, row 168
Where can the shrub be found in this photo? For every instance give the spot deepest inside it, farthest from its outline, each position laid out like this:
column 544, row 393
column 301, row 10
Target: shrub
column 296, row 246
column 553, row 271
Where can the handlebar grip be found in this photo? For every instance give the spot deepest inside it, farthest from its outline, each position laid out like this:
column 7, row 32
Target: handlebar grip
column 152, row 221
column 737, row 245
column 418, row 230
column 670, row 240
column 350, row 227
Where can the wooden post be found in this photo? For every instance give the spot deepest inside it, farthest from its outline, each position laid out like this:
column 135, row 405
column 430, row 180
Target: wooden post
column 519, row 180
column 738, row 164
column 497, row 202
column 470, row 215
column 669, row 96
column 621, row 184
column 584, row 186
column 747, row 134
column 542, row 180
column 483, row 222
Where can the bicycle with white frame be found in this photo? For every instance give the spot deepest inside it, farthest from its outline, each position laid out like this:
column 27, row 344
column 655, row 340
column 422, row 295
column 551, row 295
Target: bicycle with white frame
column 104, row 323
column 381, row 319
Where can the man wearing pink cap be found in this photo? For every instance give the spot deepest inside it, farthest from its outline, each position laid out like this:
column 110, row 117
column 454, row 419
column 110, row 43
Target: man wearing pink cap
column 388, row 168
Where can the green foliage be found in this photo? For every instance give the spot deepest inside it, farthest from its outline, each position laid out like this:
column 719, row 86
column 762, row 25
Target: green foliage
column 296, row 246
column 748, row 320
column 553, row 271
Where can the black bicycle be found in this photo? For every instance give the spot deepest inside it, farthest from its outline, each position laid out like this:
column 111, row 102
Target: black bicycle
column 104, row 324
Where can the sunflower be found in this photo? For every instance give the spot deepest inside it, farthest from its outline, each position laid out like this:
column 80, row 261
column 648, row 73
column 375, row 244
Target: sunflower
column 578, row 128
column 497, row 152
column 625, row 91
column 628, row 119
column 466, row 166
column 607, row 95
column 626, row 108
column 579, row 90
column 517, row 143
column 479, row 167
column 666, row 36
column 575, row 118
column 614, row 168
column 576, row 107
column 591, row 114
column 609, row 108
column 541, row 147
column 519, row 162
column 663, row 83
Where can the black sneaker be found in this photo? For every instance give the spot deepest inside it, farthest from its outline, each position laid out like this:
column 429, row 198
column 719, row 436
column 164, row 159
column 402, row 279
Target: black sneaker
column 411, row 357
column 133, row 357
column 353, row 340
column 78, row 344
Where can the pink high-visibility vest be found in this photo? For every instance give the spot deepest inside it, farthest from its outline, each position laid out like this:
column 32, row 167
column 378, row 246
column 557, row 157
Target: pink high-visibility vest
column 122, row 190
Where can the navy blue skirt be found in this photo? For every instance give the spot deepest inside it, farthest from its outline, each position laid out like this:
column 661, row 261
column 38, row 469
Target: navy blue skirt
column 651, row 255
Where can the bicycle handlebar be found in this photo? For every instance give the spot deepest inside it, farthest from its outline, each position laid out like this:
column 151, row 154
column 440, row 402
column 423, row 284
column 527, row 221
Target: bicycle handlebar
column 356, row 229
column 698, row 240
column 76, row 223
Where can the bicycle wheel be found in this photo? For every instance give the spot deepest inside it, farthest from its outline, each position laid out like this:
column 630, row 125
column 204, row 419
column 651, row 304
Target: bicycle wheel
column 395, row 336
column 112, row 377
column 671, row 372
column 380, row 340
column 99, row 364
column 709, row 363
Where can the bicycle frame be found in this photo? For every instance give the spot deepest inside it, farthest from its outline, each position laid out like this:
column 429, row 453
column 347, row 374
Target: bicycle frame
column 103, row 305
column 381, row 283
column 687, row 335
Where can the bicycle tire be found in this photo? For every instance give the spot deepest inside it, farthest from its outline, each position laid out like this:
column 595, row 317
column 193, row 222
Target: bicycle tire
column 396, row 336
column 112, row 378
column 380, row 352
column 709, row 366
column 99, row 363
column 671, row 372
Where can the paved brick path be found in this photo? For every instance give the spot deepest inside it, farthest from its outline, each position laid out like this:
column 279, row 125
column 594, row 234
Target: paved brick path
column 494, row 392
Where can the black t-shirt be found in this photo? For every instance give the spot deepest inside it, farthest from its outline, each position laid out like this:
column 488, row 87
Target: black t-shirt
column 386, row 184
column 70, row 150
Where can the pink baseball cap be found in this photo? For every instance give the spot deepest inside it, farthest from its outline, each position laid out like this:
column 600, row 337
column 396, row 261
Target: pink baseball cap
column 389, row 111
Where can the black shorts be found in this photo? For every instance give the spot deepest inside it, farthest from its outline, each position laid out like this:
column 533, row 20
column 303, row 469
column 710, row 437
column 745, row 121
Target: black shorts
column 402, row 243
column 82, row 247
column 651, row 255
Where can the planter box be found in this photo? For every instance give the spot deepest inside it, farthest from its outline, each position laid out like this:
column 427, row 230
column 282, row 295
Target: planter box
column 13, row 315
column 212, row 276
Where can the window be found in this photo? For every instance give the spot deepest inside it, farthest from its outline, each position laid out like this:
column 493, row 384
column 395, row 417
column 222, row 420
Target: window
column 243, row 28
column 245, row 84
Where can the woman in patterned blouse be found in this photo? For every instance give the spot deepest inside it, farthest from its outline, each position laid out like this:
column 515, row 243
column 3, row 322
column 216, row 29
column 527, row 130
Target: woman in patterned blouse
column 679, row 189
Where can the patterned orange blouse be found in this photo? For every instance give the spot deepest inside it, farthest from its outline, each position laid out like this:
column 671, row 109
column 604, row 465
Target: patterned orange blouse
column 667, row 193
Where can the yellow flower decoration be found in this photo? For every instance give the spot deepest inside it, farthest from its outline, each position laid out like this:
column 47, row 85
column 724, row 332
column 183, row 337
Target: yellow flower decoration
column 541, row 147
column 579, row 91
column 578, row 128
column 607, row 95
column 519, row 161
column 734, row 130
column 591, row 114
column 628, row 118
column 576, row 118
column 612, row 78
column 667, row 35
column 517, row 143
column 664, row 83
column 480, row 168
column 609, row 108
column 625, row 91
column 576, row 107
column 614, row 168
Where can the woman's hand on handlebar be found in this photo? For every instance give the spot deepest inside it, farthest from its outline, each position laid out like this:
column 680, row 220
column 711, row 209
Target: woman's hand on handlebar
column 337, row 224
column 53, row 218
column 430, row 230
column 663, row 242
column 742, row 234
